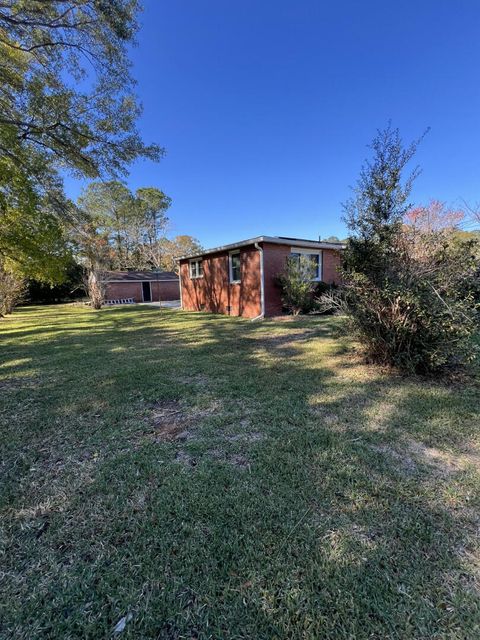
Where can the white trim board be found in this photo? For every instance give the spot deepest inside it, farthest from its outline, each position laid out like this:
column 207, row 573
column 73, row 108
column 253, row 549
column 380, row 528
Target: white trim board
column 134, row 281
column 290, row 242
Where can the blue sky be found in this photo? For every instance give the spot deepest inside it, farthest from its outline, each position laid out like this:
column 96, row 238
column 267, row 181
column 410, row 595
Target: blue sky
column 265, row 107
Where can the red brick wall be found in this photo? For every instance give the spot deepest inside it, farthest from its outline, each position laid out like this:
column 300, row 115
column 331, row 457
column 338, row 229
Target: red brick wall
column 331, row 263
column 215, row 293
column 118, row 290
column 274, row 258
column 169, row 290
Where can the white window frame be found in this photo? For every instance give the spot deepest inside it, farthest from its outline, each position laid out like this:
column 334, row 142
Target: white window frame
column 310, row 252
column 230, row 267
column 198, row 262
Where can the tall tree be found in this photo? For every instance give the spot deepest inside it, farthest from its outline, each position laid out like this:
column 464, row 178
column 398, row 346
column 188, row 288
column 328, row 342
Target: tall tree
column 110, row 208
column 376, row 211
column 94, row 254
column 66, row 85
column 133, row 224
column 151, row 225
column 409, row 295
column 66, row 100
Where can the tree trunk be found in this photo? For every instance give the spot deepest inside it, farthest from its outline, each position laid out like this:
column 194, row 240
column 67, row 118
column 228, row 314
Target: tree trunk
column 96, row 289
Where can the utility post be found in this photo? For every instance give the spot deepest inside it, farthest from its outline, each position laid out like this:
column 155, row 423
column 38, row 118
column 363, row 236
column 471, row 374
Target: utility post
column 157, row 270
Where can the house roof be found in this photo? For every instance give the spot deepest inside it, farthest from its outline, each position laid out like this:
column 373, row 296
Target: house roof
column 294, row 242
column 140, row 276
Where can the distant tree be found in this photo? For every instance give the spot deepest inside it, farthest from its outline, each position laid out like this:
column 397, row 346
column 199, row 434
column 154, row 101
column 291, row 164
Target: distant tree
column 171, row 249
column 110, row 208
column 472, row 214
column 435, row 216
column 331, row 239
column 151, row 223
column 132, row 224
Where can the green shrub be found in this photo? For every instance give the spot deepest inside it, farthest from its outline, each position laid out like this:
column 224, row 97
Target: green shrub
column 409, row 296
column 297, row 285
column 420, row 318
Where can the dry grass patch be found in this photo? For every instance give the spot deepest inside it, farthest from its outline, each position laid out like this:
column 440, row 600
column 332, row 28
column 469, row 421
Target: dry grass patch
column 403, row 461
column 170, row 419
column 444, row 462
column 174, row 420
column 184, row 458
column 440, row 463
column 199, row 380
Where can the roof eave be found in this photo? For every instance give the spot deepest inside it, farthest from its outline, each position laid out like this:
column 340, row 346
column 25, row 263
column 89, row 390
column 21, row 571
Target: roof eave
column 314, row 244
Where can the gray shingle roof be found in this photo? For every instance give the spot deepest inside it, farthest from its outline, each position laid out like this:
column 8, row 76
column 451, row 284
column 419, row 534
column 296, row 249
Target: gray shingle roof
column 139, row 276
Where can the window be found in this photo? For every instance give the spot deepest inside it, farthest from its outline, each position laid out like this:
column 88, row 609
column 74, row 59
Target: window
column 316, row 258
column 196, row 269
column 234, row 262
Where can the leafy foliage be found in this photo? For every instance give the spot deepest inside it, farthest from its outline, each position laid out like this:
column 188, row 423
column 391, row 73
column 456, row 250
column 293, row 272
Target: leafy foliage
column 172, row 248
column 409, row 290
column 67, row 89
column 298, row 285
column 66, row 104
column 34, row 243
column 436, row 216
column 70, row 289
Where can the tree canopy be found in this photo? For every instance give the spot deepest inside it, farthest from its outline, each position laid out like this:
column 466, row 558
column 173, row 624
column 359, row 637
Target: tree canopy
column 67, row 103
column 131, row 224
column 66, row 84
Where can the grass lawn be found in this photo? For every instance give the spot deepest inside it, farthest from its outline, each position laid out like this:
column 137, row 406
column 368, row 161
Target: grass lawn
column 196, row 476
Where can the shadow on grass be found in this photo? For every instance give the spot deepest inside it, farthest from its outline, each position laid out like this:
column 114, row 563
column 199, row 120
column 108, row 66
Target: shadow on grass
column 330, row 529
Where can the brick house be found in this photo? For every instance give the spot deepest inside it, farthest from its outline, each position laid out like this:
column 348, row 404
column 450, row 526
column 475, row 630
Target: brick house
column 142, row 286
column 239, row 279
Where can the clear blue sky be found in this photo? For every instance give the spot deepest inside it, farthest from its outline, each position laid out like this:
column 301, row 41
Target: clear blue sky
column 265, row 107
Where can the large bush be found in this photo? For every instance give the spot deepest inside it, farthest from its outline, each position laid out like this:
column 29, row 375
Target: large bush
column 409, row 294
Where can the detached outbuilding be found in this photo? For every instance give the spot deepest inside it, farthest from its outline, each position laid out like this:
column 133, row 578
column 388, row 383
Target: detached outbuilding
column 240, row 279
column 142, row 286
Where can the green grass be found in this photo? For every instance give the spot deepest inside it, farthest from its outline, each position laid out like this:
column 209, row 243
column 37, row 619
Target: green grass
column 211, row 477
